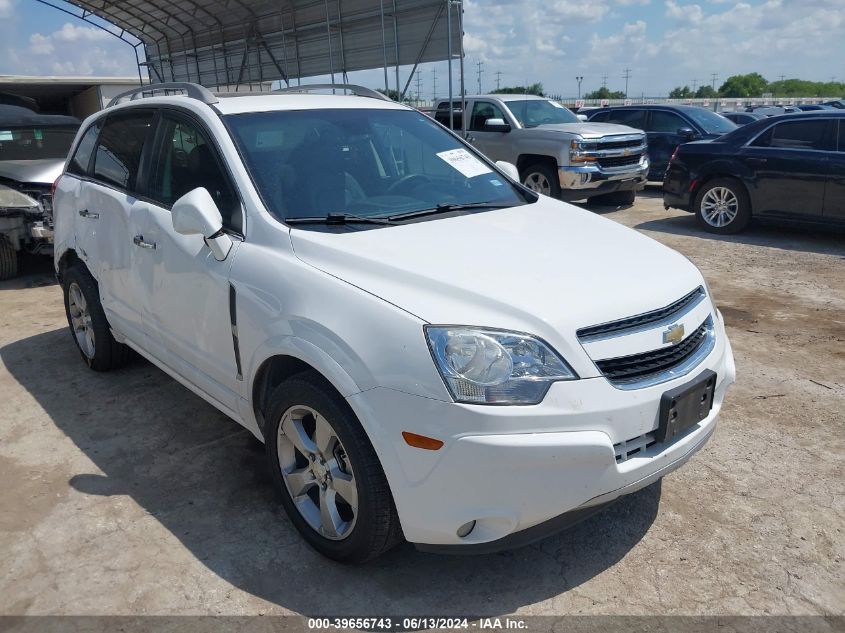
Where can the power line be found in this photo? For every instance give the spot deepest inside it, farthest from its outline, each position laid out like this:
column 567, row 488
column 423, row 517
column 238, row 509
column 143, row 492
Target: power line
column 626, row 77
column 480, row 66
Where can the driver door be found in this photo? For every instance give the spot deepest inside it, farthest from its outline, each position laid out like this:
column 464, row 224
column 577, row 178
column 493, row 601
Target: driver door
column 494, row 145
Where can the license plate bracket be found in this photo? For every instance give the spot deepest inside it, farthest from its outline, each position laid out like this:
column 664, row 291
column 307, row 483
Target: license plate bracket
column 685, row 406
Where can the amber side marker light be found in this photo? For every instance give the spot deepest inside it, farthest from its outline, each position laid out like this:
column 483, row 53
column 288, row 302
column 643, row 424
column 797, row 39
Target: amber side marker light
column 421, row 441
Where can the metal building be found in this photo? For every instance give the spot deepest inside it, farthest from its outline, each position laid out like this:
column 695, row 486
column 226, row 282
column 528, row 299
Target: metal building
column 227, row 44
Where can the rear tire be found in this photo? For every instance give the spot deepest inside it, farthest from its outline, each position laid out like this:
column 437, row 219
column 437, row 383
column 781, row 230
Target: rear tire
column 541, row 178
column 617, row 198
column 332, row 484
column 722, row 206
column 88, row 324
column 8, row 259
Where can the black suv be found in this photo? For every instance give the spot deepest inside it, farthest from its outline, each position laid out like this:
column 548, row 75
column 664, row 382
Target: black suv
column 666, row 127
column 788, row 167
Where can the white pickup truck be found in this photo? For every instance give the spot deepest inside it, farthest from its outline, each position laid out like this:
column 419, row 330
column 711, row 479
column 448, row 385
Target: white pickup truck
column 555, row 152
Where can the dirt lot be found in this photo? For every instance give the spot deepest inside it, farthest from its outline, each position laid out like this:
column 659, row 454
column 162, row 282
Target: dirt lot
column 126, row 494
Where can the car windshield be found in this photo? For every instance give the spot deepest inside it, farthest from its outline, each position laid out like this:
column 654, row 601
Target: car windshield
column 711, row 122
column 30, row 143
column 534, row 112
column 362, row 162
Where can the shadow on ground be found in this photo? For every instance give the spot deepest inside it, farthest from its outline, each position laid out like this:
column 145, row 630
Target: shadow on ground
column 204, row 479
column 791, row 237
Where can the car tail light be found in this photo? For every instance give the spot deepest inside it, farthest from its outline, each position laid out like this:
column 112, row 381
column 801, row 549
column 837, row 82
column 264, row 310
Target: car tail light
column 54, row 185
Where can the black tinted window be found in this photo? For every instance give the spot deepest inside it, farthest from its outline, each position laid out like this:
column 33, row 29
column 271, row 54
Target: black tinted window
column 632, row 118
column 599, row 116
column 119, row 150
column 482, row 112
column 795, row 135
column 667, row 122
column 187, row 161
column 441, row 115
column 841, row 135
column 82, row 156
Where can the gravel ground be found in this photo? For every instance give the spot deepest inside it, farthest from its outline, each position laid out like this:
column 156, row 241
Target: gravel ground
column 127, row 494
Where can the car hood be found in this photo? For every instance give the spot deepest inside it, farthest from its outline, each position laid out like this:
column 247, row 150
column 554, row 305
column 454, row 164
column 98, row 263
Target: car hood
column 547, row 268
column 43, row 171
column 590, row 130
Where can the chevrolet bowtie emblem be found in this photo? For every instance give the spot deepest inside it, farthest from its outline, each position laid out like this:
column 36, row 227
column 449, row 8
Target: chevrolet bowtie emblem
column 675, row 334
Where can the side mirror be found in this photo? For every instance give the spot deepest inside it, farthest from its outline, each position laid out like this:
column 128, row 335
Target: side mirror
column 509, row 169
column 496, row 125
column 687, row 133
column 582, row 117
column 196, row 213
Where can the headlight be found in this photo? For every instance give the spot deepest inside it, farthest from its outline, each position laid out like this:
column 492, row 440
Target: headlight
column 582, row 152
column 482, row 366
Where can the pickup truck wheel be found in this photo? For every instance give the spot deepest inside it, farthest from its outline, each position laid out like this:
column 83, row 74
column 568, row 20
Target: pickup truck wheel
column 332, row 484
column 88, row 324
column 541, row 178
column 722, row 206
column 8, row 259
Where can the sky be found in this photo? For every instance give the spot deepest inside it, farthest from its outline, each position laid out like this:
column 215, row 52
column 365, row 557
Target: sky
column 663, row 43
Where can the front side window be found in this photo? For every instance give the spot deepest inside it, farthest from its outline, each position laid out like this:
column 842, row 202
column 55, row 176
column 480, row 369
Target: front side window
column 795, row 135
column 367, row 162
column 118, row 154
column 534, row 112
column 186, row 161
column 482, row 112
column 36, row 142
column 82, row 156
column 666, row 122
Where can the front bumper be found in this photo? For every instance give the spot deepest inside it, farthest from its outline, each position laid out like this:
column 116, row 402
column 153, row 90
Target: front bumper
column 583, row 181
column 510, row 469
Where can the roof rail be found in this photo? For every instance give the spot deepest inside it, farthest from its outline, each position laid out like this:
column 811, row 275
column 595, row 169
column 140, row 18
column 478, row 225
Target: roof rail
column 358, row 91
column 194, row 91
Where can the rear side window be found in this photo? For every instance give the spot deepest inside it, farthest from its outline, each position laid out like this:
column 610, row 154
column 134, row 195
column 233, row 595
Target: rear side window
column 601, row 117
column 441, row 115
column 631, row 118
column 186, row 161
column 82, row 156
column 118, row 153
column 795, row 135
column 666, row 122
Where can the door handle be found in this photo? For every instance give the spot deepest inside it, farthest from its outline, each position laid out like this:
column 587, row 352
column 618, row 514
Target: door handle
column 85, row 213
column 138, row 240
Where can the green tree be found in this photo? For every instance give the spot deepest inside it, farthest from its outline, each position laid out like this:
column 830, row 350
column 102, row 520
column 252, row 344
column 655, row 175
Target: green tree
column 750, row 85
column 706, row 92
column 604, row 93
column 680, row 93
column 533, row 89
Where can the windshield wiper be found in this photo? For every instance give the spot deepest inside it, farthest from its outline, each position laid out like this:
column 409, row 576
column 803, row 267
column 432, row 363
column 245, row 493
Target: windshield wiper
column 341, row 218
column 448, row 207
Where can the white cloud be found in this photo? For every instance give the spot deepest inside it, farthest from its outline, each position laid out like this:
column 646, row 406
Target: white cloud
column 7, row 9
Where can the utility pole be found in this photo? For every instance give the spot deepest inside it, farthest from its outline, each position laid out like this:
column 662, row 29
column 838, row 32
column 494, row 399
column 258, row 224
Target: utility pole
column 480, row 69
column 604, row 81
column 419, row 86
column 498, row 79
column 626, row 77
column 713, row 78
column 434, row 80
column 694, row 85
column 579, row 79
column 781, row 77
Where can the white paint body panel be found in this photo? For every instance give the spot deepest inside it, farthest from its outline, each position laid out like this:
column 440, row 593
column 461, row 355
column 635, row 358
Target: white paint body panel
column 353, row 306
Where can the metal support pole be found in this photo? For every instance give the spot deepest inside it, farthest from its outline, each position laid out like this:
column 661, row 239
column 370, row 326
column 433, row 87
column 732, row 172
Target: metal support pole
column 383, row 44
column 329, row 36
column 463, row 87
column 449, row 53
column 396, row 49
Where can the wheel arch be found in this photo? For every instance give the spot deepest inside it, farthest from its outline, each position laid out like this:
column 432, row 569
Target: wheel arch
column 524, row 160
column 67, row 259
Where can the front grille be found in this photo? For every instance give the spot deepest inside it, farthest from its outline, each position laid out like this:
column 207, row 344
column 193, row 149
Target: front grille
column 669, row 312
column 641, row 366
column 611, row 162
column 629, row 448
column 637, row 142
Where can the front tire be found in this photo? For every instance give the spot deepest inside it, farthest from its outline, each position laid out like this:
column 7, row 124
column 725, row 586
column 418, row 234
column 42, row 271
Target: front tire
column 722, row 206
column 541, row 178
column 332, row 484
column 88, row 323
column 8, row 259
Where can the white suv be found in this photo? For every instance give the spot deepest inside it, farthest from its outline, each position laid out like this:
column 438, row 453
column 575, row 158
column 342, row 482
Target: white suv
column 430, row 350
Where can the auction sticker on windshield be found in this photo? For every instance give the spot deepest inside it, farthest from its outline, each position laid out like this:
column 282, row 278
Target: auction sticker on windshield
column 464, row 162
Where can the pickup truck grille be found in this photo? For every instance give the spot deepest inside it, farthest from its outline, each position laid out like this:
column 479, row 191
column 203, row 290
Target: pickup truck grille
column 639, row 367
column 637, row 142
column 613, row 162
